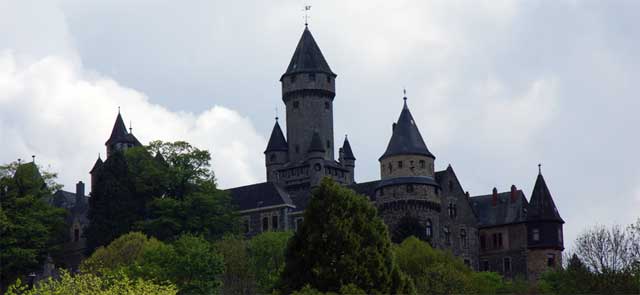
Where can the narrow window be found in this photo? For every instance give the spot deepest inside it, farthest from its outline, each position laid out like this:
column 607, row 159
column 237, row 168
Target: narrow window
column 447, row 235
column 265, row 224
column 76, row 235
column 327, row 105
column 312, row 76
column 429, row 230
column 328, row 144
column 551, row 260
column 399, row 164
column 422, row 164
column 274, row 222
column 463, row 238
column 506, row 264
column 297, row 149
column 455, row 210
column 495, row 240
column 560, row 234
column 485, row 265
column 390, row 168
column 536, row 234
column 499, row 240
column 296, row 104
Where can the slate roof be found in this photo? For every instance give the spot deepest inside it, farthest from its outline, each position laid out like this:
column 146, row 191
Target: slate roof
column 541, row 206
column 406, row 138
column 119, row 130
column 346, row 150
column 97, row 165
column 316, row 143
column 277, row 142
column 307, row 58
column 366, row 188
column 259, row 195
column 68, row 201
column 505, row 211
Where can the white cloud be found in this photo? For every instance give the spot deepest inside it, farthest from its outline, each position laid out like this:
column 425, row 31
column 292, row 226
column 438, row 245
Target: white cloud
column 51, row 108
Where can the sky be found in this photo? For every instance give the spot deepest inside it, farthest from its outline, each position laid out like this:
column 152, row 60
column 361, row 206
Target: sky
column 496, row 87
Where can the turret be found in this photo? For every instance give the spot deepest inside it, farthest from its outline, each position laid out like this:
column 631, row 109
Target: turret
column 120, row 139
column 544, row 230
column 277, row 152
column 348, row 160
column 94, row 171
column 308, row 89
column 406, row 154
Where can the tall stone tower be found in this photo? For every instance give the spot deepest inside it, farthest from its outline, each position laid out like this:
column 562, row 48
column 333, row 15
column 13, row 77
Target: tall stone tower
column 408, row 194
column 544, row 231
column 308, row 89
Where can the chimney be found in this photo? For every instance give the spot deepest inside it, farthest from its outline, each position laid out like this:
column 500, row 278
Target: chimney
column 79, row 192
column 340, row 155
column 494, row 199
column 467, row 194
column 514, row 193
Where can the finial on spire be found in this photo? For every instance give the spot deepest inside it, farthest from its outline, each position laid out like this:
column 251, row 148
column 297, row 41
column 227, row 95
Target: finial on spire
column 33, row 158
column 131, row 127
column 19, row 161
column 118, row 110
column 539, row 169
column 346, row 137
column 277, row 114
column 306, row 10
column 404, row 92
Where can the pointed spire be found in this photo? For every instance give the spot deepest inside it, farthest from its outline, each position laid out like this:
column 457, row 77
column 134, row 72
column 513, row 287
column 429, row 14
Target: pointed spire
column 119, row 129
column 97, row 164
column 406, row 138
column 541, row 205
column 316, row 143
column 160, row 159
column 277, row 142
column 307, row 58
column 346, row 149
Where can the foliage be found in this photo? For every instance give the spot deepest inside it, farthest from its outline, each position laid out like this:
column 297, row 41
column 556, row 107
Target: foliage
column 113, row 284
column 606, row 250
column 341, row 241
column 267, row 252
column 30, row 228
column 191, row 263
column 238, row 276
column 350, row 289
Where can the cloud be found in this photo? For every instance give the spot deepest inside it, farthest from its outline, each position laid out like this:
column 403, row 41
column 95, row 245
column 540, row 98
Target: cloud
column 51, row 108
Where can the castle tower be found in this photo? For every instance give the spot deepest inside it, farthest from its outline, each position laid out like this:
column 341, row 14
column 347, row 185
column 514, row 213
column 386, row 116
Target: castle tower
column 347, row 160
column 408, row 195
column 95, row 170
column 277, row 152
column 120, row 139
column 544, row 231
column 308, row 89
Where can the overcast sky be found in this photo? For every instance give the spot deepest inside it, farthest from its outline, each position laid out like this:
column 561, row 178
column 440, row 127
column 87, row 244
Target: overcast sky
column 496, row 87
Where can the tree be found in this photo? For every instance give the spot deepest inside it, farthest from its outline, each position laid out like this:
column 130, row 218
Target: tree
column 191, row 263
column 113, row 284
column 238, row 276
column 605, row 249
column 30, row 228
column 341, row 241
column 267, row 254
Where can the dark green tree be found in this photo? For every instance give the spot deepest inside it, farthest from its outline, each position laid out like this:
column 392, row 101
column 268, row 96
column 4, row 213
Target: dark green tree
column 266, row 253
column 239, row 277
column 341, row 241
column 30, row 228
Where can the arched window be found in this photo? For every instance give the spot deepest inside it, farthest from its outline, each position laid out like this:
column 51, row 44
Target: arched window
column 390, row 168
column 429, row 229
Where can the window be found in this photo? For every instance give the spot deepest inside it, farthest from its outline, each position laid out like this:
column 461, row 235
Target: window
column 327, row 106
column 265, row 223
column 483, row 242
column 447, row 235
column 312, row 76
column 484, row 266
column 390, row 168
column 299, row 222
column 463, row 238
column 274, row 222
column 453, row 210
column 560, row 234
column 499, row 240
column 399, row 164
column 297, row 149
column 272, row 158
column 422, row 164
column 429, row 230
column 536, row 234
column 506, row 264
column 76, row 234
column 409, row 188
column 328, row 144
column 296, row 104
column 551, row 260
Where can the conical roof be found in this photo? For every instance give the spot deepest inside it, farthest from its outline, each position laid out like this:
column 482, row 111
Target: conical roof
column 277, row 142
column 308, row 58
column 97, row 165
column 160, row 159
column 316, row 143
column 406, row 138
column 119, row 130
column 541, row 205
column 347, row 153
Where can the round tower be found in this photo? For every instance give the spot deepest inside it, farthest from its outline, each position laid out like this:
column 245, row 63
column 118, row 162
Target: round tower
column 276, row 154
column 408, row 195
column 308, row 89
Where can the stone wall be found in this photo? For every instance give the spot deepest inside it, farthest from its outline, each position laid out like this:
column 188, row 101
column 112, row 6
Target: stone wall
column 537, row 262
column 412, row 165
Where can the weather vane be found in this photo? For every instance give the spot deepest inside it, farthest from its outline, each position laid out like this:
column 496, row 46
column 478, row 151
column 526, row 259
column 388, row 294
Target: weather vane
column 307, row 9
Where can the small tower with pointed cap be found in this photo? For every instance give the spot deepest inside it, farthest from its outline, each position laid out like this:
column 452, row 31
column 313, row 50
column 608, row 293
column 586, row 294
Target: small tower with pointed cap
column 347, row 159
column 308, row 89
column 277, row 152
column 120, row 138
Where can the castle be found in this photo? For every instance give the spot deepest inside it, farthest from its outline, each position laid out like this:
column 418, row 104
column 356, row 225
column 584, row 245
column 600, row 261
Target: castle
column 502, row 231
